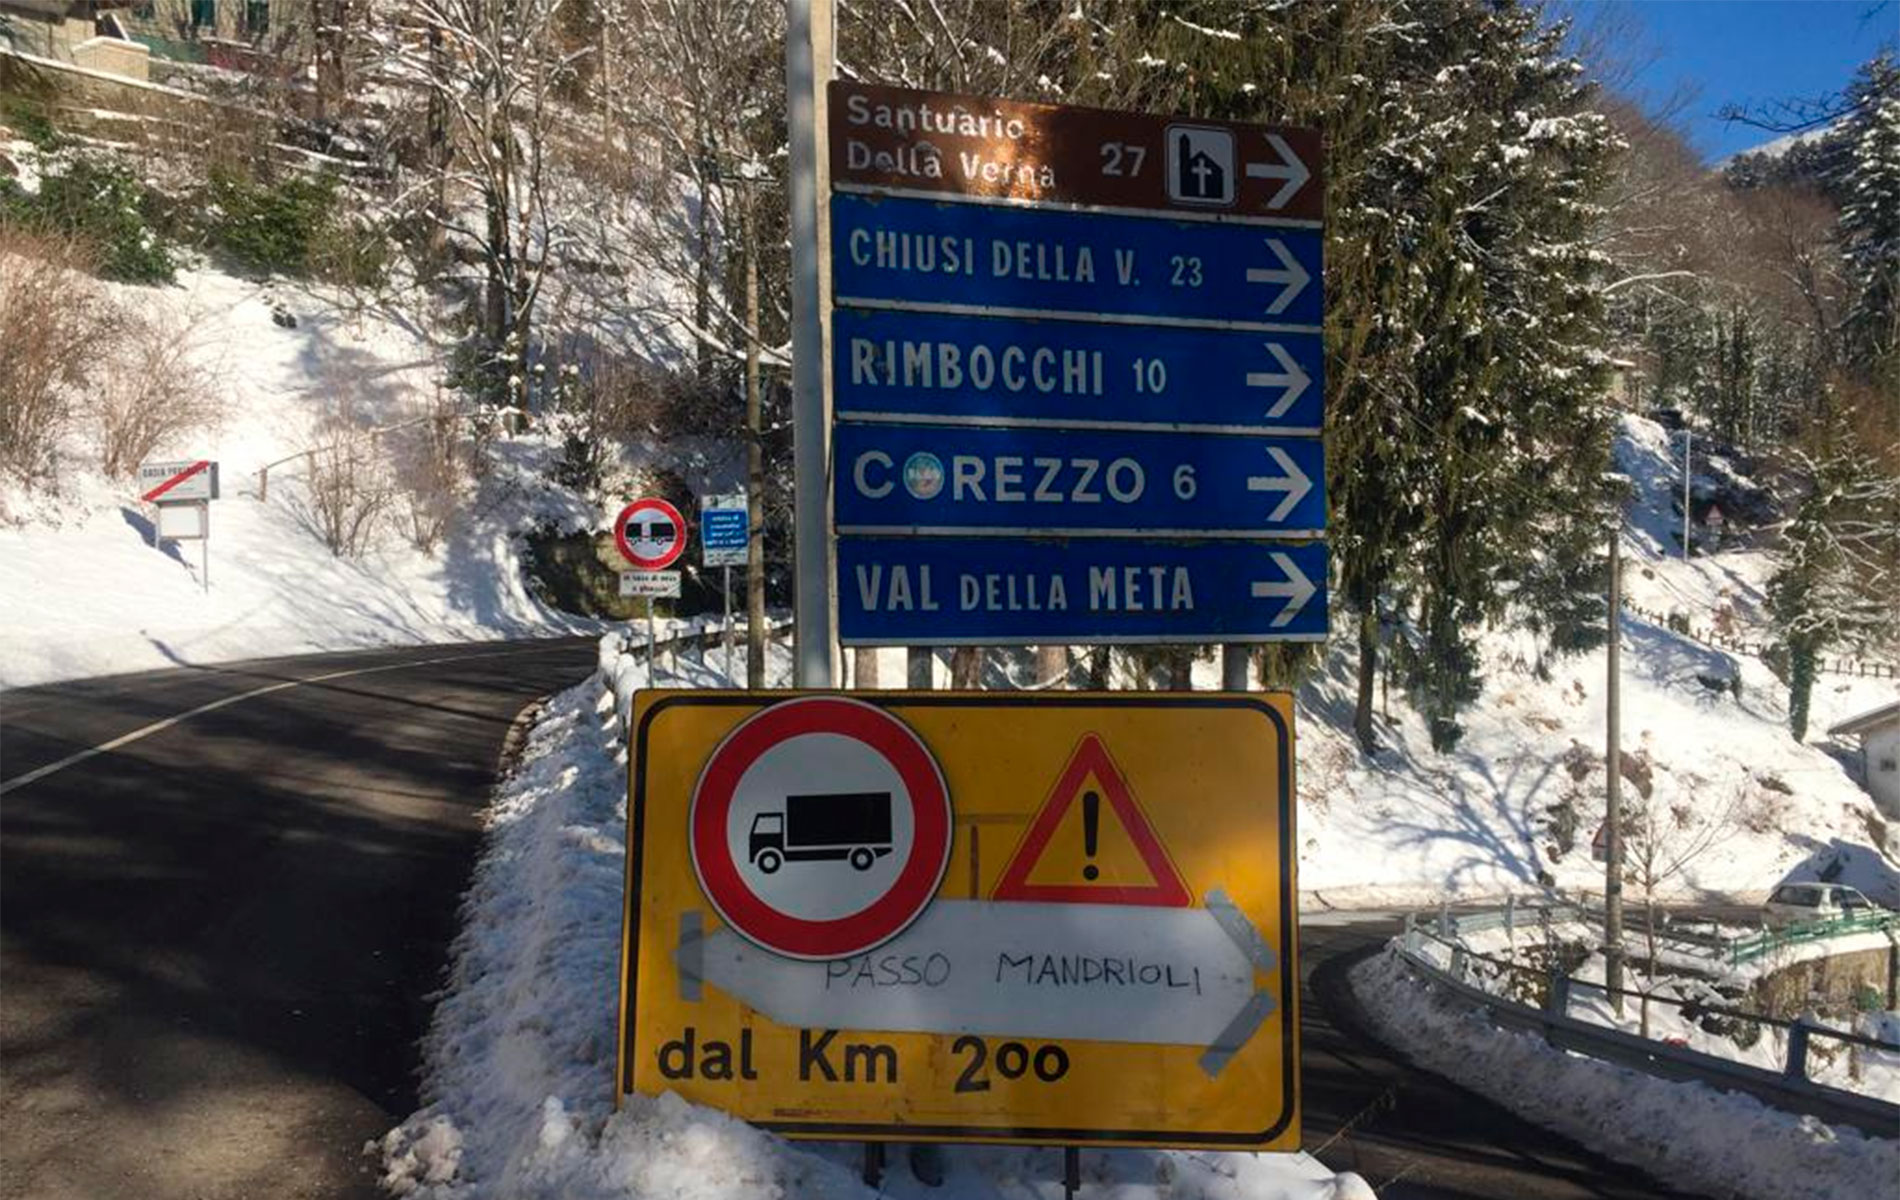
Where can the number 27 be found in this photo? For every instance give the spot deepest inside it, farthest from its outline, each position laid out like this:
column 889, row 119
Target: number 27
column 1114, row 153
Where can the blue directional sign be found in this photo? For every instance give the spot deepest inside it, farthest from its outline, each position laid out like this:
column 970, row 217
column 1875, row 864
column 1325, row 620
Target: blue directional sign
column 1026, row 261
column 942, row 368
column 932, row 479
column 985, row 591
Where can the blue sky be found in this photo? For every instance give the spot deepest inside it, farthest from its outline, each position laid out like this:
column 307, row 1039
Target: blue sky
column 1745, row 51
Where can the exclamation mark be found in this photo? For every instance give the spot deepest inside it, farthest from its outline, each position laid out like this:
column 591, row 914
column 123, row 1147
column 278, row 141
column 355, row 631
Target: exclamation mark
column 1091, row 819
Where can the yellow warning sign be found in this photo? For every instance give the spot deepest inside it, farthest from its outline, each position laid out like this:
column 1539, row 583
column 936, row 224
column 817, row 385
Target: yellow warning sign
column 977, row 917
column 1063, row 856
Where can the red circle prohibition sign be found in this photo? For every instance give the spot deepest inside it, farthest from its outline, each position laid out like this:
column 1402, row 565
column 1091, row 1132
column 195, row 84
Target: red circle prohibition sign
column 666, row 557
column 880, row 920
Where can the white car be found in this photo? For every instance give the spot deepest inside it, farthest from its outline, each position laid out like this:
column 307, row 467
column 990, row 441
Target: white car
column 1800, row 903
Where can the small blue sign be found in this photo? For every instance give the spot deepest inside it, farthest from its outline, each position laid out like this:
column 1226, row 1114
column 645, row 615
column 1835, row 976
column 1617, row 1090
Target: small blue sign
column 916, row 479
column 723, row 530
column 943, row 368
column 978, row 258
column 983, row 591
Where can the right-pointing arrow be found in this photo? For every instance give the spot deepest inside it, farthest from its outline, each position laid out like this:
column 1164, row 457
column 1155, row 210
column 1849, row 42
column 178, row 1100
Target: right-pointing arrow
column 1290, row 168
column 1296, row 589
column 1291, row 480
column 1290, row 376
column 1292, row 277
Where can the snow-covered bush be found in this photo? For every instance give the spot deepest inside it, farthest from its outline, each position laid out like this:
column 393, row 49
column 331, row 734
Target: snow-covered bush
column 101, row 202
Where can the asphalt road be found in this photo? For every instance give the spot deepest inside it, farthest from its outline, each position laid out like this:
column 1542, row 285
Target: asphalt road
column 217, row 941
column 1412, row 1135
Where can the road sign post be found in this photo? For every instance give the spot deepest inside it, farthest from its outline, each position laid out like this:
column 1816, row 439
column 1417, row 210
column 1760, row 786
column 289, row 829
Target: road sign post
column 650, row 534
column 724, row 531
column 967, row 917
column 1077, row 373
column 183, row 491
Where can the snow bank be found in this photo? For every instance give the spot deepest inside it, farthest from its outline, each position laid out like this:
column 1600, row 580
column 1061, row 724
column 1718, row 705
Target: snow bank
column 1692, row 1136
column 518, row 1065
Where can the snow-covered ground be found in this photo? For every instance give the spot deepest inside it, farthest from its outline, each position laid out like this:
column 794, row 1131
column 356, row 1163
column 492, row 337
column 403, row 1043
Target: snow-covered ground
column 85, row 591
column 1695, row 1137
column 518, row 1066
column 1412, row 825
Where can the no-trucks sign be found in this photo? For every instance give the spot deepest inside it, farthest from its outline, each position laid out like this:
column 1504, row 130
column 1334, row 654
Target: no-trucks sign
column 970, row 917
column 650, row 534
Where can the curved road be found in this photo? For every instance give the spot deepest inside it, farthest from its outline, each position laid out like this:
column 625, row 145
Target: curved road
column 218, row 939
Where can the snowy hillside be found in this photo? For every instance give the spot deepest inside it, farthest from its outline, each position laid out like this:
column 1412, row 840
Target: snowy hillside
column 84, row 590
column 1484, row 819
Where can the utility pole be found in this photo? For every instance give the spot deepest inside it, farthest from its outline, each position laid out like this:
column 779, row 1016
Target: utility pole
column 1687, row 436
column 808, row 67
column 1613, row 783
column 754, row 453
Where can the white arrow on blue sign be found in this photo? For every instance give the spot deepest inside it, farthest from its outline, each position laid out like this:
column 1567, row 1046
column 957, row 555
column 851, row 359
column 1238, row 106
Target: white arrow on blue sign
column 973, row 258
column 913, row 479
column 950, row 369
column 999, row 591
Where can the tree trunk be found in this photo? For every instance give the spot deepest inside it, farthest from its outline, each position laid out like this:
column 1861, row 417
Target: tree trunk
column 754, row 464
column 966, row 667
column 438, row 152
column 1052, row 662
column 702, row 267
column 1099, row 662
column 919, row 665
column 1181, row 669
column 864, row 667
column 1368, row 674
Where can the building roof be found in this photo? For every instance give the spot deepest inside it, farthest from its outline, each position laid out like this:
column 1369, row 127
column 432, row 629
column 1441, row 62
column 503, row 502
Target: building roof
column 1867, row 722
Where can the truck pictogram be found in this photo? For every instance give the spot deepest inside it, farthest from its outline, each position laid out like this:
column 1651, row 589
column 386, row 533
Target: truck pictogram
column 854, row 827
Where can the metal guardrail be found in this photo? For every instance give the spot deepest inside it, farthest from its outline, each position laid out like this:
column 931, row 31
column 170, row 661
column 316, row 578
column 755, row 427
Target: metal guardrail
column 1789, row 1089
column 1748, row 949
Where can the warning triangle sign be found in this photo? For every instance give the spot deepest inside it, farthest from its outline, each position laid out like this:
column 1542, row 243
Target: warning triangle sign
column 1080, row 850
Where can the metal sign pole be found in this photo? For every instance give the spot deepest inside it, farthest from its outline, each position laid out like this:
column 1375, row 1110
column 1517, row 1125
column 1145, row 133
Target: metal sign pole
column 204, row 547
column 653, row 663
column 726, row 587
column 807, row 67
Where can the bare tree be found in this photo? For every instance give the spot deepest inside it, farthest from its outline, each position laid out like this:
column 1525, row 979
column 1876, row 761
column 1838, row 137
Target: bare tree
column 55, row 320
column 152, row 394
column 494, row 71
column 1661, row 843
column 348, row 489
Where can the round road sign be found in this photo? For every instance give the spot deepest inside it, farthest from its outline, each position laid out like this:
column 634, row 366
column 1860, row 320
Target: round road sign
column 820, row 828
column 651, row 534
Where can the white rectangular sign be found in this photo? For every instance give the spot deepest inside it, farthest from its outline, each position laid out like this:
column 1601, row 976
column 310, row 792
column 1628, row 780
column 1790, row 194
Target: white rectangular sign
column 171, row 482
column 654, row 585
column 182, row 522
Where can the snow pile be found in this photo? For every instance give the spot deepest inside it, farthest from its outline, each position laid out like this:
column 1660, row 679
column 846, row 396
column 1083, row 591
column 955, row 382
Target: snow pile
column 1692, row 1136
column 87, row 590
column 519, row 1062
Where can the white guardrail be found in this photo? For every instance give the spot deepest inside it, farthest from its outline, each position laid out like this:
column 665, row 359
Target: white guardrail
column 1789, row 1089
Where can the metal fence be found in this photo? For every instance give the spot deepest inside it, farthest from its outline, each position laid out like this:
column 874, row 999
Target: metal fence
column 1789, row 1089
column 1858, row 668
column 1748, row 949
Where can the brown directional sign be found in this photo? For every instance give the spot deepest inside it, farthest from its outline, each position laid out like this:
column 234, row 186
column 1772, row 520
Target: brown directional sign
column 900, row 138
